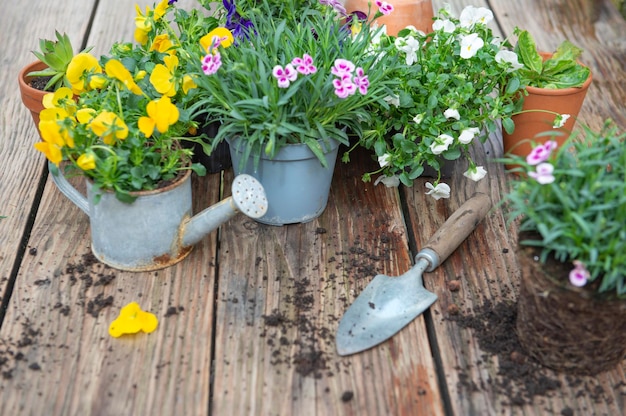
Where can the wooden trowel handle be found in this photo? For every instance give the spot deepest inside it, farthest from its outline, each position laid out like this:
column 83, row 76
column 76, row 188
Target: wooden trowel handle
column 456, row 228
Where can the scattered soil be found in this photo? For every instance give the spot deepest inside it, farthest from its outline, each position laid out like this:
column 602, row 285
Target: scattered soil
column 298, row 337
column 520, row 378
column 26, row 350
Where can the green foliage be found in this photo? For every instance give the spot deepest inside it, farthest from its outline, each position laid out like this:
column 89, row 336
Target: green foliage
column 245, row 97
column 435, row 78
column 56, row 54
column 582, row 213
column 561, row 70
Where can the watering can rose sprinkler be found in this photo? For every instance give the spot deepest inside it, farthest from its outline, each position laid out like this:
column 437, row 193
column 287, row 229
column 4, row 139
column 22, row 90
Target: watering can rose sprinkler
column 157, row 229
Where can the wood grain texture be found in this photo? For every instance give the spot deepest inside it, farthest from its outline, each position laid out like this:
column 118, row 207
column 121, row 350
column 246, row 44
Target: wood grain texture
column 279, row 307
column 22, row 166
column 485, row 264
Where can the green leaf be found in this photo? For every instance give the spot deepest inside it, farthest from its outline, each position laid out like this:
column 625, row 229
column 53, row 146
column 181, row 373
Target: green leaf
column 527, row 51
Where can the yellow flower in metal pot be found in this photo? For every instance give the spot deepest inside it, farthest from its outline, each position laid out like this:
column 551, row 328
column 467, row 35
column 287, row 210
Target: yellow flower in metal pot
column 109, row 126
column 80, row 69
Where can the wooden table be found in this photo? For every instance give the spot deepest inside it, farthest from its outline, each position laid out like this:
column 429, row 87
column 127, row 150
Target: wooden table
column 247, row 321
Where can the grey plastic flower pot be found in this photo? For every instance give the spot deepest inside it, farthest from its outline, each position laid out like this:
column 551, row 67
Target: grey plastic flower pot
column 295, row 182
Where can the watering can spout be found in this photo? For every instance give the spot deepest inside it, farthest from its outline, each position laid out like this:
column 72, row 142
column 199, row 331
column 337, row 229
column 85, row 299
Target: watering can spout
column 248, row 197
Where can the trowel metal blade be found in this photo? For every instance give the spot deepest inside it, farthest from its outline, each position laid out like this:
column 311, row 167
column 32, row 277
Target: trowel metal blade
column 382, row 309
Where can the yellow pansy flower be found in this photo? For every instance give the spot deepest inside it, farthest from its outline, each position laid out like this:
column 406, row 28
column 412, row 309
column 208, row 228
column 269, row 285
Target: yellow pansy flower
column 161, row 114
column 141, row 74
column 132, row 320
column 162, row 43
column 80, row 68
column 143, row 25
column 86, row 161
column 188, row 83
column 62, row 97
column 223, row 35
column 51, row 151
column 50, row 128
column 162, row 77
column 115, row 69
column 109, row 126
column 85, row 115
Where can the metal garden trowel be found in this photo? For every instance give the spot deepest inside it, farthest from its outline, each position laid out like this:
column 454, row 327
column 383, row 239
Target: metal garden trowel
column 388, row 304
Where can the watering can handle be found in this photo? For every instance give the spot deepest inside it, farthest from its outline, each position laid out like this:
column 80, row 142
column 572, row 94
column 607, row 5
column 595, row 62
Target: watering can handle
column 455, row 230
column 67, row 189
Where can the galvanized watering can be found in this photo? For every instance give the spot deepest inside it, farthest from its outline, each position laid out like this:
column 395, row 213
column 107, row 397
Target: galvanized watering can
column 158, row 230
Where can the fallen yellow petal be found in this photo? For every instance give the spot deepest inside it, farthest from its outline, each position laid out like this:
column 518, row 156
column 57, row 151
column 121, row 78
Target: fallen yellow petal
column 132, row 320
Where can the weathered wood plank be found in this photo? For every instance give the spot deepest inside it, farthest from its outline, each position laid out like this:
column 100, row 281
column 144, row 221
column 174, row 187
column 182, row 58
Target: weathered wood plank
column 59, row 357
column 281, row 293
column 21, row 167
column 485, row 264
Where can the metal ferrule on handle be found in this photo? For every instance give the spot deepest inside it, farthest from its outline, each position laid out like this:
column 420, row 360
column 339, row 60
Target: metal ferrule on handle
column 455, row 230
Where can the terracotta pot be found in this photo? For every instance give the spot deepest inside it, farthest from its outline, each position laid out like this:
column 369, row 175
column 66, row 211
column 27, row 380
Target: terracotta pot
column 418, row 13
column 31, row 97
column 529, row 124
column 566, row 328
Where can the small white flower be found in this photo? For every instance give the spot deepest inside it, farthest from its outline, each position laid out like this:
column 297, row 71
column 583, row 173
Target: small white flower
column 441, row 144
column 559, row 121
column 446, row 25
column 440, row 191
column 393, row 100
column 384, row 160
column 389, row 181
column 472, row 15
column 470, row 45
column 408, row 45
column 510, row 57
column 419, row 118
column 468, row 135
column 475, row 173
column 452, row 113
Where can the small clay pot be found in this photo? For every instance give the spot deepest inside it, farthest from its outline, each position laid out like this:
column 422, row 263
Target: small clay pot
column 529, row 124
column 31, row 97
column 418, row 13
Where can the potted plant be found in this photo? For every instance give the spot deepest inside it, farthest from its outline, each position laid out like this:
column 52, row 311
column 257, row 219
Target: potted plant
column 119, row 124
column 570, row 203
column 46, row 74
column 175, row 35
column 453, row 86
column 285, row 90
column 555, row 88
column 396, row 14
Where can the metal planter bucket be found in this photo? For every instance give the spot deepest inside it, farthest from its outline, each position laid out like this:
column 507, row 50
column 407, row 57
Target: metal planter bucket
column 296, row 184
column 157, row 229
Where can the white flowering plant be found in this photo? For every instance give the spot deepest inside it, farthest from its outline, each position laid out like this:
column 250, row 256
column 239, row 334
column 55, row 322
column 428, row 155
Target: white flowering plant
column 454, row 85
column 571, row 203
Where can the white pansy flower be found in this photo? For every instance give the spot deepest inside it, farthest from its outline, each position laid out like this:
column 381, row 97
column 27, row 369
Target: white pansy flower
column 384, row 160
column 475, row 173
column 452, row 113
column 440, row 191
column 441, row 144
column 408, row 45
column 447, row 26
column 472, row 15
column 392, row 181
column 393, row 100
column 508, row 57
column 468, row 135
column 418, row 118
column 559, row 121
column 470, row 45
